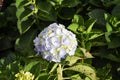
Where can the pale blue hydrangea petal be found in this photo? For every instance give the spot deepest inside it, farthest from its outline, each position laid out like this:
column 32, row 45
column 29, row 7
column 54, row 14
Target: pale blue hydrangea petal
column 65, row 41
column 62, row 53
column 55, row 42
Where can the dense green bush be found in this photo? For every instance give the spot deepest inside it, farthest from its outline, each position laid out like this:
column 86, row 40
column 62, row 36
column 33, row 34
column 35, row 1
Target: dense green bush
column 96, row 24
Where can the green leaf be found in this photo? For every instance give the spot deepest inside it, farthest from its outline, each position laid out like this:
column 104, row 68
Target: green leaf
column 115, row 42
column 116, row 11
column 66, row 13
column 87, row 78
column 78, row 19
column 76, row 77
column 25, row 19
column 98, row 14
column 89, row 24
column 84, row 69
column 108, row 27
column 46, row 13
column 73, row 27
column 31, row 65
column 96, row 3
column 22, row 3
column 86, row 53
column 70, row 3
column 19, row 12
column 24, row 26
column 53, row 68
column 44, row 5
column 95, row 36
column 42, row 76
column 107, row 34
column 50, row 16
column 5, row 43
column 72, row 60
column 24, row 44
column 18, row 2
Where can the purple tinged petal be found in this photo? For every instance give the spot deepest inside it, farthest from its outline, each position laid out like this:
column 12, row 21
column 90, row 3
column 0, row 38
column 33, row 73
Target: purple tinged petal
column 55, row 42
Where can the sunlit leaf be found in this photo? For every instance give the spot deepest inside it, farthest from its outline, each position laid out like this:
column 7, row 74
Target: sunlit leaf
column 86, row 53
column 78, row 19
column 73, row 27
column 108, row 27
column 89, row 24
column 72, row 60
column 59, row 72
column 76, row 77
column 85, row 69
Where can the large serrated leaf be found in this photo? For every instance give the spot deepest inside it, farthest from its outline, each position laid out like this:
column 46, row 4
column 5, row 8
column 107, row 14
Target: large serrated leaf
column 98, row 14
column 25, row 19
column 24, row 26
column 115, row 42
column 85, row 69
column 44, row 5
column 51, row 16
column 19, row 12
column 24, row 44
column 21, row 3
column 116, row 11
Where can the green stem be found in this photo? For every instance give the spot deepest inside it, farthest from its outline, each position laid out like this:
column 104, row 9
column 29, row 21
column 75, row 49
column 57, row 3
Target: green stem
column 53, row 68
column 59, row 72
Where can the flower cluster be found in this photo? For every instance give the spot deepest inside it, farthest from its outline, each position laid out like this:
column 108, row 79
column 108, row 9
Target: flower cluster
column 24, row 76
column 55, row 42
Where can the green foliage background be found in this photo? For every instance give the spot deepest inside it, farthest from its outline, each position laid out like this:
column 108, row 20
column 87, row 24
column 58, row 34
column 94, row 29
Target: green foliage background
column 96, row 24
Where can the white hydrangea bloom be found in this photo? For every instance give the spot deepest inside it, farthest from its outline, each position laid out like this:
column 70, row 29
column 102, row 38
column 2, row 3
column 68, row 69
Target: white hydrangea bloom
column 24, row 76
column 54, row 42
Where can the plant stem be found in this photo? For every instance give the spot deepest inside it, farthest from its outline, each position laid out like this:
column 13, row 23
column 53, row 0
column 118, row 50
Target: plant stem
column 59, row 72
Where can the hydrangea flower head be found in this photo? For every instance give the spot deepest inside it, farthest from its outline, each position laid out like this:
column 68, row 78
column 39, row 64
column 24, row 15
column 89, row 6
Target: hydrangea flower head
column 24, row 76
column 55, row 42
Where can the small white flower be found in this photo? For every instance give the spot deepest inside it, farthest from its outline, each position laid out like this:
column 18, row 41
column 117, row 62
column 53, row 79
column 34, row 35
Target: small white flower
column 55, row 42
